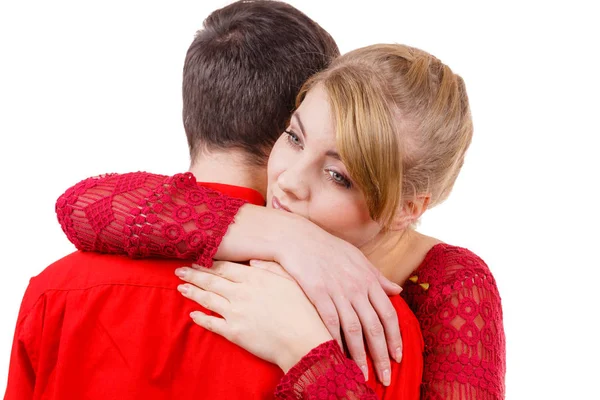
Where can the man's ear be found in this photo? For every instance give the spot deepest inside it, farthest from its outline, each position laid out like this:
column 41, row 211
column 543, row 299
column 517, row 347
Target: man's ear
column 410, row 212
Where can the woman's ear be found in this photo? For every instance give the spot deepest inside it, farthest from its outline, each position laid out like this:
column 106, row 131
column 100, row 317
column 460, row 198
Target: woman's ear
column 410, row 212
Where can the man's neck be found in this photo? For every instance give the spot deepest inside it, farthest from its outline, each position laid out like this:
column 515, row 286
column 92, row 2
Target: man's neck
column 229, row 168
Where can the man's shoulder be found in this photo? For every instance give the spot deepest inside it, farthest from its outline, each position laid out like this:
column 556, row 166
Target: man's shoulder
column 86, row 270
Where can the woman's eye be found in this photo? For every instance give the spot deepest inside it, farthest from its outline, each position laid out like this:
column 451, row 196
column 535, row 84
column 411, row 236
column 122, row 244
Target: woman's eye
column 339, row 179
column 293, row 139
column 336, row 176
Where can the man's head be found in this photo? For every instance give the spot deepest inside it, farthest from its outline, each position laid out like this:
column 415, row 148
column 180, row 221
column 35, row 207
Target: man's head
column 242, row 73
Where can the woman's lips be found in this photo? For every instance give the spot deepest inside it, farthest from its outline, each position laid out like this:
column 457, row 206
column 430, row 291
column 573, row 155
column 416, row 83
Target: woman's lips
column 278, row 206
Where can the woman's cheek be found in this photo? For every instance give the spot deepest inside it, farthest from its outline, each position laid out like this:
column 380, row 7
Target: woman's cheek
column 342, row 218
column 277, row 161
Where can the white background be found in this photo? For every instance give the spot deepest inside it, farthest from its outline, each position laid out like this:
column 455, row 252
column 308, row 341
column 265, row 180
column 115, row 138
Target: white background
column 90, row 87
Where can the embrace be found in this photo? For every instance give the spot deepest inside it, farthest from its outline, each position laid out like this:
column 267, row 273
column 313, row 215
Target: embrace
column 286, row 262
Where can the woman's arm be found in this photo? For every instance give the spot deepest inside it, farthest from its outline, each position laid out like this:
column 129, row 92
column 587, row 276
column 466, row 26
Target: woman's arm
column 464, row 335
column 265, row 312
column 142, row 214
column 306, row 377
column 323, row 372
column 146, row 215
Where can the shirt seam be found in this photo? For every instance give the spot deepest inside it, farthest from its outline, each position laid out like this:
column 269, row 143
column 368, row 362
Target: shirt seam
column 21, row 321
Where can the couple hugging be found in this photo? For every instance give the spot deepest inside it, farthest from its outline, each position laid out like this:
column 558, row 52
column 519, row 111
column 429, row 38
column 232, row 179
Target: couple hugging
column 285, row 263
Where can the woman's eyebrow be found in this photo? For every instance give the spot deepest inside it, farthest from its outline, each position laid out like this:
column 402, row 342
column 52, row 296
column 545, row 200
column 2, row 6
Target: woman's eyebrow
column 296, row 116
column 330, row 153
column 334, row 154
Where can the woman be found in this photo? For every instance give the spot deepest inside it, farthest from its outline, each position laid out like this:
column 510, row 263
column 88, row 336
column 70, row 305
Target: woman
column 376, row 140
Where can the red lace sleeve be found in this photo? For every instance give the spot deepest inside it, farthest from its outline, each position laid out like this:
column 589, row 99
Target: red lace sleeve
column 325, row 373
column 146, row 215
column 455, row 297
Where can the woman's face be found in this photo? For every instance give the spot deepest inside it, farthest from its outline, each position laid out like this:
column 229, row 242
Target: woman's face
column 307, row 177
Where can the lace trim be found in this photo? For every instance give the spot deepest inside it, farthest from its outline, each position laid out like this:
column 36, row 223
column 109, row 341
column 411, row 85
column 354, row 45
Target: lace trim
column 147, row 215
column 455, row 298
column 324, row 373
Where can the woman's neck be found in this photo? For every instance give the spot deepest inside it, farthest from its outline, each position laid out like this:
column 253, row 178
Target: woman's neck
column 398, row 253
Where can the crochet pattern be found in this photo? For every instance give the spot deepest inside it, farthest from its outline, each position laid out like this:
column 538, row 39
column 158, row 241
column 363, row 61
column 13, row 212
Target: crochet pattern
column 146, row 215
column 455, row 298
column 324, row 373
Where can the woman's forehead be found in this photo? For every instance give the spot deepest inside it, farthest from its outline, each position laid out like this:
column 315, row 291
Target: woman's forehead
column 314, row 114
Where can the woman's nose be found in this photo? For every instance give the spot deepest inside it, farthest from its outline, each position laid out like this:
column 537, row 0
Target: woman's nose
column 293, row 183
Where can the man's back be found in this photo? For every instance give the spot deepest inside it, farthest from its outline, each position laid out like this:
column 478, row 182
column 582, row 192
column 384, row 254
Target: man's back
column 96, row 326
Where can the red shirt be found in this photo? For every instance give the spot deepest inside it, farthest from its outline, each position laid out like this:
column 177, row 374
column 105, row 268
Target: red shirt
column 99, row 326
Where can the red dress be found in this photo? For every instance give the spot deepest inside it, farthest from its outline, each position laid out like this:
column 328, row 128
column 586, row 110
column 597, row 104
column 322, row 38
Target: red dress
column 452, row 293
column 102, row 326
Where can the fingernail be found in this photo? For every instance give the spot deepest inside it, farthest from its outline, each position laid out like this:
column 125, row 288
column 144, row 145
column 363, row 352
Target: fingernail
column 386, row 377
column 398, row 354
column 399, row 288
column 180, row 272
column 365, row 372
column 182, row 289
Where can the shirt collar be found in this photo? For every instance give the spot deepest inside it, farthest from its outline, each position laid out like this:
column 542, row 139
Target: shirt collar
column 250, row 195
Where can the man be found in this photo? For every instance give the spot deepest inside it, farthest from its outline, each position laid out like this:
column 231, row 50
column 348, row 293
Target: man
column 96, row 326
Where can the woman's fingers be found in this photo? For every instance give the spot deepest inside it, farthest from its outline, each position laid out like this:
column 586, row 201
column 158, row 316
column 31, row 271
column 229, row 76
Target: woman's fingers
column 225, row 269
column 389, row 319
column 207, row 281
column 352, row 334
column 272, row 267
column 376, row 339
column 329, row 315
column 388, row 286
column 208, row 300
column 210, row 323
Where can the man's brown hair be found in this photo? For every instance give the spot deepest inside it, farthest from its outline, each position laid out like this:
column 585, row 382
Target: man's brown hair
column 242, row 73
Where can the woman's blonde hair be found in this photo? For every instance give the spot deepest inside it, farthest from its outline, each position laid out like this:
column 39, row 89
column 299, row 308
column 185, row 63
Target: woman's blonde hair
column 402, row 121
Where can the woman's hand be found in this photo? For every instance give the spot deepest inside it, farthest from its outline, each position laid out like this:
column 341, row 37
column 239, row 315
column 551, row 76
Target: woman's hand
column 264, row 310
column 347, row 290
